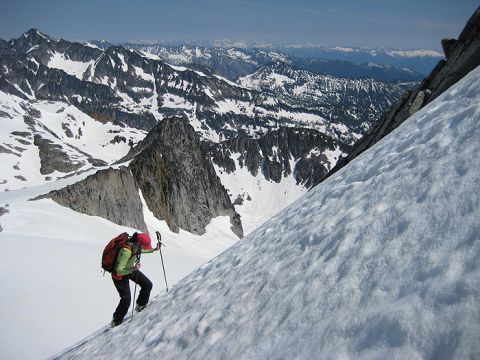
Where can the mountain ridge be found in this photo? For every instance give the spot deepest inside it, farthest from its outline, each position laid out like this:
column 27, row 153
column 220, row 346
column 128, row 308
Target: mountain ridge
column 233, row 63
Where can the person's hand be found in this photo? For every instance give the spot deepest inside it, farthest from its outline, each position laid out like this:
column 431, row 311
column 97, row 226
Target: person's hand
column 137, row 266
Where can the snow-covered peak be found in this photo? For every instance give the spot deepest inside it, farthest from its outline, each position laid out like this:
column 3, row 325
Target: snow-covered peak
column 391, row 52
column 379, row 261
column 415, row 53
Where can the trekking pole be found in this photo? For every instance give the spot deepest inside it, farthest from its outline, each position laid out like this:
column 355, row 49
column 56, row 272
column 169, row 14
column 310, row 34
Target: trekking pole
column 136, row 279
column 160, row 244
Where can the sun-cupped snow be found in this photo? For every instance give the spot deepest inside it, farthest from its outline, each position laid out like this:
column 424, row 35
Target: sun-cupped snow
column 379, row 261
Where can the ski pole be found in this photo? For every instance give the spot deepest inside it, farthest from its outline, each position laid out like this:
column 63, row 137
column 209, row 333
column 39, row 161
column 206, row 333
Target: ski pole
column 160, row 244
column 136, row 279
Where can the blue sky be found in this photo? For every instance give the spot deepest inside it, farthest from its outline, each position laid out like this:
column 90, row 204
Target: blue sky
column 371, row 23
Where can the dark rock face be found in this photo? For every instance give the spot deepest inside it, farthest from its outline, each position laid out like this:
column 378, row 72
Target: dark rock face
column 178, row 181
column 447, row 46
column 463, row 55
column 53, row 158
column 3, row 210
column 273, row 154
column 111, row 194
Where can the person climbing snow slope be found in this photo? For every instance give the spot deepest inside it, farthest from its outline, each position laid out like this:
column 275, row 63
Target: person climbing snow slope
column 127, row 267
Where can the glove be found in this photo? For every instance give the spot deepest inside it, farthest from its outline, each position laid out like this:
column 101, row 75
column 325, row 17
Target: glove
column 137, row 266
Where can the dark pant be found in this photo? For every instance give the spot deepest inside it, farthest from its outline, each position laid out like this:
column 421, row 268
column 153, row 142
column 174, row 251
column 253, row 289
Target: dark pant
column 123, row 288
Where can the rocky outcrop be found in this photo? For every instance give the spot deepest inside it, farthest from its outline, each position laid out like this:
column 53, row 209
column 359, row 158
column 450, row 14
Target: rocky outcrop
column 111, row 194
column 462, row 56
column 53, row 158
column 175, row 176
column 3, row 210
column 178, row 181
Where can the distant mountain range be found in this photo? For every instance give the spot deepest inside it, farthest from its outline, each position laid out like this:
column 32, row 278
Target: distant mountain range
column 418, row 60
column 301, row 88
column 233, row 63
column 85, row 106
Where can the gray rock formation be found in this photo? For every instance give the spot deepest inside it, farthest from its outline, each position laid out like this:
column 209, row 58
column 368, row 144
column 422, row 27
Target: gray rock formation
column 3, row 210
column 111, row 194
column 53, row 158
column 178, row 180
column 175, row 175
column 462, row 56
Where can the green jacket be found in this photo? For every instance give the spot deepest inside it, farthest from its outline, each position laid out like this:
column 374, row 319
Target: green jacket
column 126, row 258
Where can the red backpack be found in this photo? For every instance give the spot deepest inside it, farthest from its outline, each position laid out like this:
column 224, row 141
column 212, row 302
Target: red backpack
column 110, row 253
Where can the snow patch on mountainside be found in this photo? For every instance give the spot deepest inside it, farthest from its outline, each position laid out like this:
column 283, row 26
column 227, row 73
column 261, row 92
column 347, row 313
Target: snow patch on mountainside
column 379, row 261
column 176, row 102
column 75, row 68
column 260, row 198
column 235, row 107
column 72, row 131
column 415, row 53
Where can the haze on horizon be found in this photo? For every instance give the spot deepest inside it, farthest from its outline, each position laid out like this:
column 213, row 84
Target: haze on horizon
column 407, row 24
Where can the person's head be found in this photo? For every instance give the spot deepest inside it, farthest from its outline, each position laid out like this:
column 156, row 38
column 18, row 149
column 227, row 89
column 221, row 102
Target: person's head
column 143, row 239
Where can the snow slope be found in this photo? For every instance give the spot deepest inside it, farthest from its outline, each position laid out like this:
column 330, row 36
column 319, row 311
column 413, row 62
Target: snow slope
column 53, row 291
column 379, row 261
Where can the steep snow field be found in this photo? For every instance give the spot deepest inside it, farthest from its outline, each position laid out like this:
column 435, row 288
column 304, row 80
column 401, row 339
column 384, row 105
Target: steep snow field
column 379, row 261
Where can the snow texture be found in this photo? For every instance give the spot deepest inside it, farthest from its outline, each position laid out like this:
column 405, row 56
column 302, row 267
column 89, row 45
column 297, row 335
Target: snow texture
column 379, row 261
